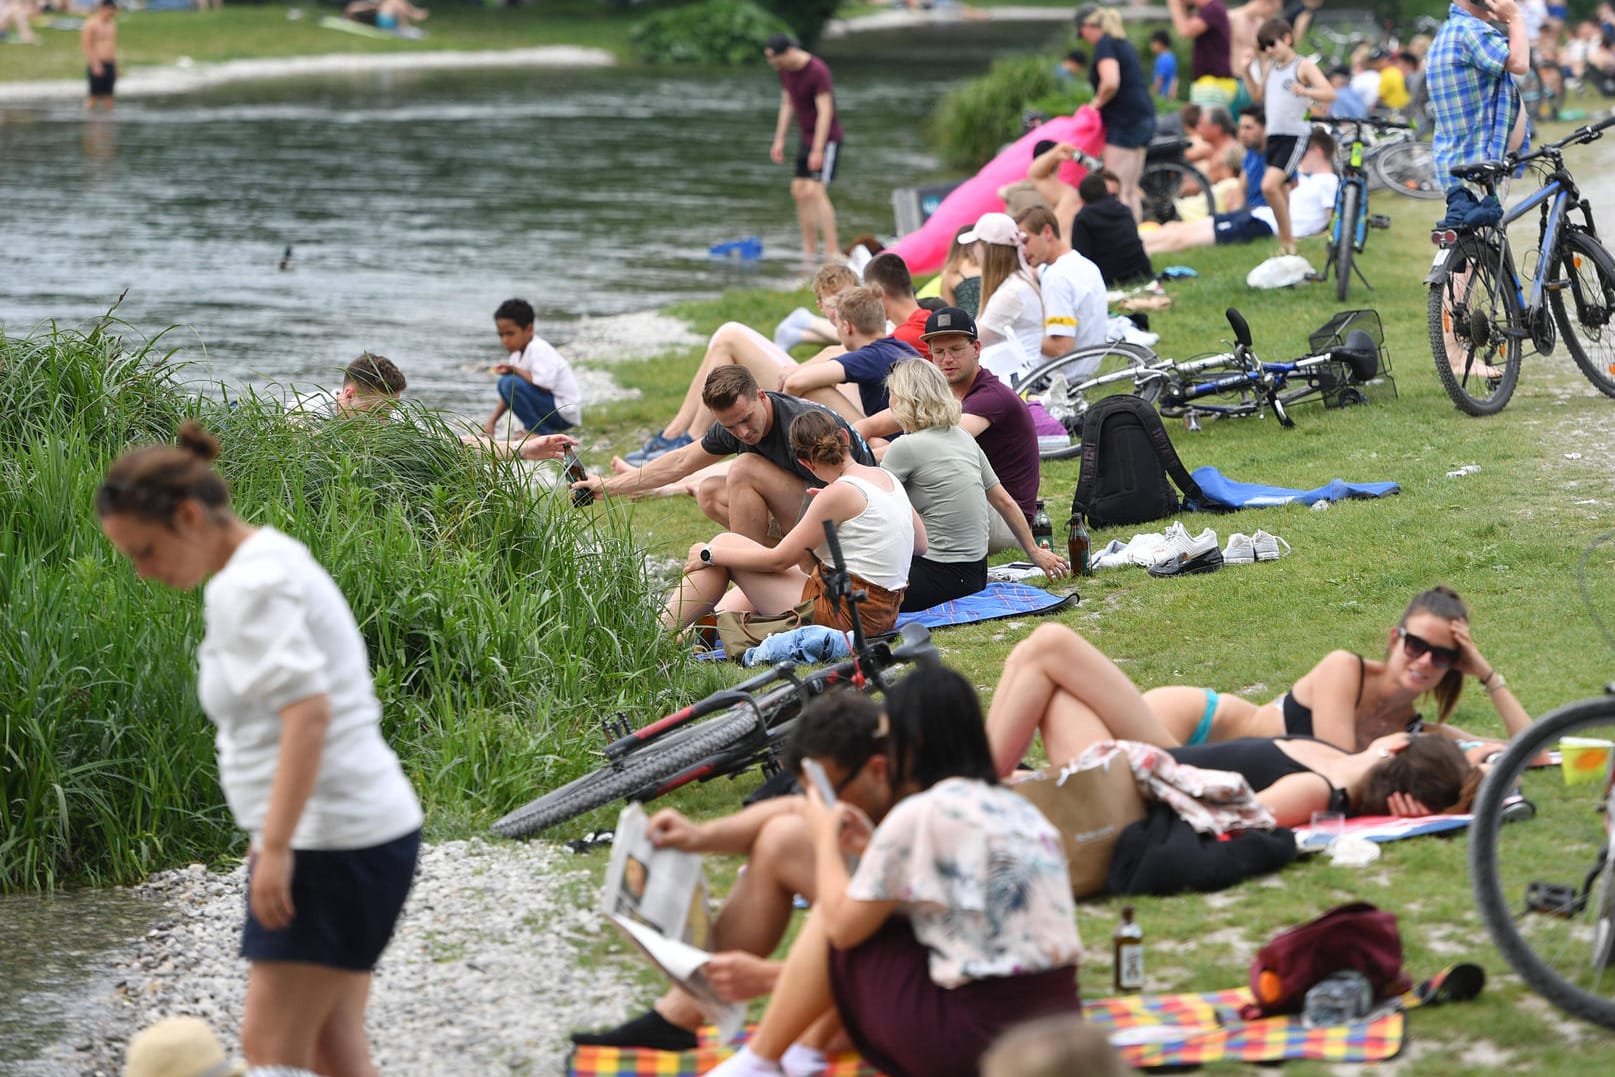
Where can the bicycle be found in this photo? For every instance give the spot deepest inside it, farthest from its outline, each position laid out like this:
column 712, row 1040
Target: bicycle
column 1479, row 304
column 745, row 729
column 1405, row 165
column 1547, row 891
column 1348, row 354
column 1349, row 233
column 1166, row 173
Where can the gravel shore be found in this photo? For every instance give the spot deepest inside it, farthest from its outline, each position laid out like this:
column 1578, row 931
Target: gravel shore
column 484, row 975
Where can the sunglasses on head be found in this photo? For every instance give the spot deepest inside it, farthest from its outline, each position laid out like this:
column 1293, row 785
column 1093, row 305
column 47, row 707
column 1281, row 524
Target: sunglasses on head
column 1417, row 647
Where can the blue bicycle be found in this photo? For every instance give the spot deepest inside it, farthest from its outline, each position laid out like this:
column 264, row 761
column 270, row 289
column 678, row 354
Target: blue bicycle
column 1349, row 233
column 1482, row 315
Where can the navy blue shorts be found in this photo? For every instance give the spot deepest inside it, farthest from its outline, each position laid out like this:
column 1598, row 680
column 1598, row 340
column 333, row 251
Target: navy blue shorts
column 1240, row 226
column 827, row 171
column 347, row 903
column 1130, row 136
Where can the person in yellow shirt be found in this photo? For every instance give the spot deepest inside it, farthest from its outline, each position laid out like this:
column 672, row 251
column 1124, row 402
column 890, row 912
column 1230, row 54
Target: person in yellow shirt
column 1393, row 88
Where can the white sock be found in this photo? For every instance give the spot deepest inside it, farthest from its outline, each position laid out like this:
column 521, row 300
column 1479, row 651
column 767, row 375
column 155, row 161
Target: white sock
column 799, row 1061
column 745, row 1064
column 788, row 334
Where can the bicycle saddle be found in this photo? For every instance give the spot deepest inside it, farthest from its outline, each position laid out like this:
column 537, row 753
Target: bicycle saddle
column 1359, row 353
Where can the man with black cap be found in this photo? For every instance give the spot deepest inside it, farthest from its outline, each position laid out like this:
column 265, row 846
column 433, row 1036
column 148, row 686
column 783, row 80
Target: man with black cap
column 994, row 414
column 806, row 94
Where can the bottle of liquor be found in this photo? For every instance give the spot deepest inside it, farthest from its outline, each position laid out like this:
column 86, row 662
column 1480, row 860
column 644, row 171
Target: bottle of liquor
column 1128, row 944
column 1043, row 528
column 573, row 469
column 1076, row 545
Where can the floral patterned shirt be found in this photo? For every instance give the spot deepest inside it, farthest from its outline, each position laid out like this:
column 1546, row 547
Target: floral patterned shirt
column 981, row 876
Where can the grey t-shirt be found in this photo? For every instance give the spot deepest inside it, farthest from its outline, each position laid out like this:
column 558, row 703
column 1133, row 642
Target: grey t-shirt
column 947, row 477
column 775, row 447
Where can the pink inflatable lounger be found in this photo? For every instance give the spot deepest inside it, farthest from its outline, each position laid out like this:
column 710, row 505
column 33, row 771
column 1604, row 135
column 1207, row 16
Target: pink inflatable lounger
column 925, row 249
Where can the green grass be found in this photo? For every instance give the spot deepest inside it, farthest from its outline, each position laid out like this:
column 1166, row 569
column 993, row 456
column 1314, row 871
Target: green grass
column 502, row 625
column 1508, row 537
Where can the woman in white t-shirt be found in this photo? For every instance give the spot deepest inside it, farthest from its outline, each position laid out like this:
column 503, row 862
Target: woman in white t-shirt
column 1011, row 318
column 284, row 675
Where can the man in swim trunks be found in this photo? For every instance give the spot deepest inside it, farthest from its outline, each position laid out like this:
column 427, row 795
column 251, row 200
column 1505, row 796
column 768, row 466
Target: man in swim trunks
column 805, row 93
column 99, row 43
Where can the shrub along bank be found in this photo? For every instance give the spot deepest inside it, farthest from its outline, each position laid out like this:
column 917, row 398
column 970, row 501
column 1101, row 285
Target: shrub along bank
column 501, row 625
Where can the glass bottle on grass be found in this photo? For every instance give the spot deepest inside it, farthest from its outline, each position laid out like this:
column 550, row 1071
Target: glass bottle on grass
column 1128, row 947
column 1077, row 544
column 1042, row 528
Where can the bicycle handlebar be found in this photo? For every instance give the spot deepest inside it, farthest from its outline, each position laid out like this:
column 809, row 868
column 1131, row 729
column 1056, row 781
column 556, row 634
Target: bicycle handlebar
column 1368, row 121
column 1487, row 170
column 1241, row 328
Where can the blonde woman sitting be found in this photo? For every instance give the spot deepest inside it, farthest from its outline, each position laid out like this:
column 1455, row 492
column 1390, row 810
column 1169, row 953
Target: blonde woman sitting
column 879, row 532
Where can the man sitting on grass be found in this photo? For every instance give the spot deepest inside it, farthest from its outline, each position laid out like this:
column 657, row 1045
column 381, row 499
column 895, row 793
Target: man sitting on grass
column 766, row 481
column 861, row 325
column 1312, row 204
column 371, row 384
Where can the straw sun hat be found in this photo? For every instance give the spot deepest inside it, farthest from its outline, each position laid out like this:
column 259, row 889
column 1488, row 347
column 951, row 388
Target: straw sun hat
column 178, row 1047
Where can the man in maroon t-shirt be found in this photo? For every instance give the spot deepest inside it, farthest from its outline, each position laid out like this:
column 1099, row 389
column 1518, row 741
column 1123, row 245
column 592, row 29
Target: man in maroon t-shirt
column 806, row 94
column 1206, row 23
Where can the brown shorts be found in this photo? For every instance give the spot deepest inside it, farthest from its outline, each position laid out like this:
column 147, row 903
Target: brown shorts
column 878, row 612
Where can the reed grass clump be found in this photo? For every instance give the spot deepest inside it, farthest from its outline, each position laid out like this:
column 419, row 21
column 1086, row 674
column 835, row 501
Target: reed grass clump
column 501, row 623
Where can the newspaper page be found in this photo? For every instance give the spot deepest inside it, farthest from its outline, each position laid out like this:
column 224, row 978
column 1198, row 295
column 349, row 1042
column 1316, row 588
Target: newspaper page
column 658, row 898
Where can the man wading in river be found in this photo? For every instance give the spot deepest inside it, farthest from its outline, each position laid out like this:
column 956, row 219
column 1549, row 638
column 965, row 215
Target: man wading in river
column 806, row 94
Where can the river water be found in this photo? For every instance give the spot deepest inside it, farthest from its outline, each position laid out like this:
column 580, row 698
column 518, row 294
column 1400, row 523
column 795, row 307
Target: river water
column 415, row 202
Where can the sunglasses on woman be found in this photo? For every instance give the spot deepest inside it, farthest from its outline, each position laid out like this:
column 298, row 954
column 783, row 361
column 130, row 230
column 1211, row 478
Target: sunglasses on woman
column 1417, row 647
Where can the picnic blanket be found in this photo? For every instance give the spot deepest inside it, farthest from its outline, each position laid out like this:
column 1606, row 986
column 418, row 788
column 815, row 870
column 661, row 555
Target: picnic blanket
column 1223, row 493
column 997, row 600
column 1148, row 1030
column 1384, row 828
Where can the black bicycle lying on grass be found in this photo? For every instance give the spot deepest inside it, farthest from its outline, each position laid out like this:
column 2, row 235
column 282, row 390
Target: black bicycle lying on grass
column 730, row 731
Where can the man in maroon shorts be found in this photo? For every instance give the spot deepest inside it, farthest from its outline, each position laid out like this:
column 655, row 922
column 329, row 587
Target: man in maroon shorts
column 806, row 94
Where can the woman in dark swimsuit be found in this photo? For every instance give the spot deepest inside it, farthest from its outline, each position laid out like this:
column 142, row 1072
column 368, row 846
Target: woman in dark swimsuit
column 1093, row 700
column 1345, row 699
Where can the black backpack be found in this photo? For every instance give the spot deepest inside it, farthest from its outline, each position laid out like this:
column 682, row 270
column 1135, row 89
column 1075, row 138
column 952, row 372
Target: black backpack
column 1126, row 460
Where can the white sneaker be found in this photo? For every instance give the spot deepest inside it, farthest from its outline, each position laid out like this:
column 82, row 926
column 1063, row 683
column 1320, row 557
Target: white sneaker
column 1267, row 546
column 1181, row 546
column 1146, row 549
column 1240, row 550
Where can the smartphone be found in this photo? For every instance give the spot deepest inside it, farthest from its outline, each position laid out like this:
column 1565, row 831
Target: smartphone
column 821, row 781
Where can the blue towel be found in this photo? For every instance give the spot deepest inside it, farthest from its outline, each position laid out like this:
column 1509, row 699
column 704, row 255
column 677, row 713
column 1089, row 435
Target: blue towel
column 1225, row 493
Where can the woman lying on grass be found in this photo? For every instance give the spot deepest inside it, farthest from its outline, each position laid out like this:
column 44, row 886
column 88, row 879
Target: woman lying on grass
column 958, row 922
column 1092, row 700
column 1348, row 700
column 878, row 529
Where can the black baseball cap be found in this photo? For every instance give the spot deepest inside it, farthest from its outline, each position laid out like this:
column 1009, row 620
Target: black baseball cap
column 778, row 43
column 947, row 321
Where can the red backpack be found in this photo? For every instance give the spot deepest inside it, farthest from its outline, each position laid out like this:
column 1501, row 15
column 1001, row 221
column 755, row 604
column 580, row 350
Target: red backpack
column 1356, row 936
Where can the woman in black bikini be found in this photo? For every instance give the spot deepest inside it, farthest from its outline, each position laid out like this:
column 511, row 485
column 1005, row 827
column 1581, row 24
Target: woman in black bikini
column 1345, row 699
column 1294, row 776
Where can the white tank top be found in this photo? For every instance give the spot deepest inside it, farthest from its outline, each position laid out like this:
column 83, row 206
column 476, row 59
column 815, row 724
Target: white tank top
column 1286, row 110
column 878, row 543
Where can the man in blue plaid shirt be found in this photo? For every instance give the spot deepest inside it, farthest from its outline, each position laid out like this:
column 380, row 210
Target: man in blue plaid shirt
column 1470, row 73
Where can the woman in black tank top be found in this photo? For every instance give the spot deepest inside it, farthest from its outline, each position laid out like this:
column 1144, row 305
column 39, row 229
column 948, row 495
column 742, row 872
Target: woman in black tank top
column 1060, row 685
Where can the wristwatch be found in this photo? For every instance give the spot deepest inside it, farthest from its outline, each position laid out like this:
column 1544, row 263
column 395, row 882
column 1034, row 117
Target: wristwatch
column 706, row 554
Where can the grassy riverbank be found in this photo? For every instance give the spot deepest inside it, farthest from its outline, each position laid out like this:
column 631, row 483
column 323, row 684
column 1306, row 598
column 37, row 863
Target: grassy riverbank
column 501, row 624
column 1509, row 537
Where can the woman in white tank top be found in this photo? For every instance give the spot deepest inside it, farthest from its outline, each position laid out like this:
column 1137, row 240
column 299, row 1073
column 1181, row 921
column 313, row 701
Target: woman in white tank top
column 879, row 532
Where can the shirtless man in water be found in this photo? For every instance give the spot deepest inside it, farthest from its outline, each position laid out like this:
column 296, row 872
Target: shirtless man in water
column 99, row 42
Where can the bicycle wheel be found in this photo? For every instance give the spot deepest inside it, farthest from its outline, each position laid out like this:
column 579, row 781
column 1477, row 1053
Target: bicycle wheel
column 1408, row 168
column 1068, row 385
column 1161, row 185
column 1586, row 321
column 1475, row 327
column 1545, row 887
column 1537, row 97
column 1351, row 207
column 629, row 775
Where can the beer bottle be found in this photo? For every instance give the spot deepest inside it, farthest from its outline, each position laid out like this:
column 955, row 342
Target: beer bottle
column 572, row 468
column 1076, row 545
column 1128, row 944
column 1043, row 528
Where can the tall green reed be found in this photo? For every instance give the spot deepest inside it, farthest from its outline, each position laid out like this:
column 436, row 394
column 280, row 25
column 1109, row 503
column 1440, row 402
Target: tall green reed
column 502, row 624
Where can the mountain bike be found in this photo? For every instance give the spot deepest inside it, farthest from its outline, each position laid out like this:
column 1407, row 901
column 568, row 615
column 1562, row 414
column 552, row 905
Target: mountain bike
column 1348, row 354
column 1349, row 233
column 1481, row 314
column 1546, row 889
column 728, row 732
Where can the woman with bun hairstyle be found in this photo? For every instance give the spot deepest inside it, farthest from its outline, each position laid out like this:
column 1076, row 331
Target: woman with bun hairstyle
column 284, row 675
column 878, row 529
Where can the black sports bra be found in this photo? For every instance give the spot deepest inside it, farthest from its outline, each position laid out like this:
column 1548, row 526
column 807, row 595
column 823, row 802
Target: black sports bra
column 1260, row 760
column 1298, row 716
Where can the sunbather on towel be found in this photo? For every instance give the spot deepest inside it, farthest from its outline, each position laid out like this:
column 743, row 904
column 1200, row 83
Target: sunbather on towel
column 1058, row 684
